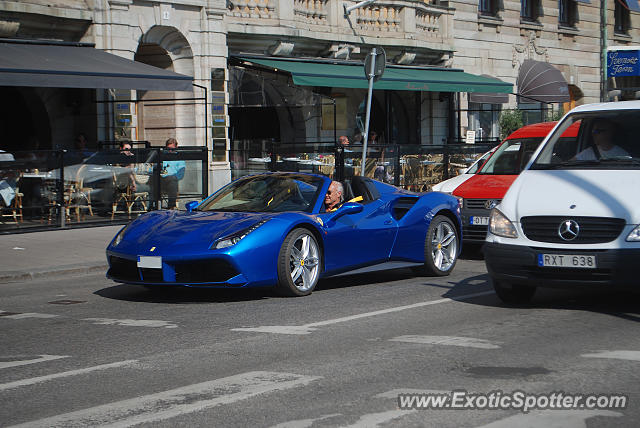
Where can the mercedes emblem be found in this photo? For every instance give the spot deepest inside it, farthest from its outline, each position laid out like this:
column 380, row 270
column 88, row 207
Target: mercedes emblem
column 568, row 230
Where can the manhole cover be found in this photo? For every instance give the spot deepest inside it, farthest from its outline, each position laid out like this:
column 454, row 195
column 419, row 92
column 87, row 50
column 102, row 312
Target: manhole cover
column 506, row 372
column 67, row 302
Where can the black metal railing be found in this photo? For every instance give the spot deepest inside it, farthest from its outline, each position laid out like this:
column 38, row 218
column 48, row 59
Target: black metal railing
column 411, row 167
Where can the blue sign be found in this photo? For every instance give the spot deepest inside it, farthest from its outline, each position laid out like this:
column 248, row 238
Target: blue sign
column 623, row 63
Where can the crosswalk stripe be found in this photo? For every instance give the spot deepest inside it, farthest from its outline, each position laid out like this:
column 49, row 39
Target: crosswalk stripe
column 309, row 328
column 40, row 359
column 467, row 342
column 175, row 402
column 40, row 379
column 618, row 355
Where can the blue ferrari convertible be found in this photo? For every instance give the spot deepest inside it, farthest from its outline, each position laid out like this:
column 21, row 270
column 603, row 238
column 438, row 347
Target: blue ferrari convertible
column 272, row 229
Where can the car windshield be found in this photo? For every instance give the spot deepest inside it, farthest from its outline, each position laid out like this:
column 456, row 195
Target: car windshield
column 605, row 140
column 477, row 164
column 511, row 157
column 266, row 193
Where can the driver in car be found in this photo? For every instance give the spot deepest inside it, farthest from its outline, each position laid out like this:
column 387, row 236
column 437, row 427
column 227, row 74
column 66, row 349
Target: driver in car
column 334, row 197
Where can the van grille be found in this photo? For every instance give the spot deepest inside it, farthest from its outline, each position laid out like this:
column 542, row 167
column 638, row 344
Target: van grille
column 593, row 230
column 478, row 204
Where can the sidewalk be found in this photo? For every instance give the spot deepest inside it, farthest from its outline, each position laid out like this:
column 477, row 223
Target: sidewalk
column 26, row 256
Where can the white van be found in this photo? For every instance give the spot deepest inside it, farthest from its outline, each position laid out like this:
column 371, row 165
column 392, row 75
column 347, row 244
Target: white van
column 572, row 217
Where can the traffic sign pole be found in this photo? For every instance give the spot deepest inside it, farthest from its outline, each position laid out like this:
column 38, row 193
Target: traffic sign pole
column 370, row 75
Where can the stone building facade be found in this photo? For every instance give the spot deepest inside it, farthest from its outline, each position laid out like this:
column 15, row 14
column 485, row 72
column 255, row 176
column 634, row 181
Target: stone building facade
column 208, row 39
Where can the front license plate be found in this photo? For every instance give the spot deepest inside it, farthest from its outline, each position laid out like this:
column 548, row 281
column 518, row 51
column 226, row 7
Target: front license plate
column 567, row 260
column 478, row 221
column 150, row 262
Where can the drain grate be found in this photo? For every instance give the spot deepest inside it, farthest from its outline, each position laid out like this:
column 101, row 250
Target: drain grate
column 67, row 302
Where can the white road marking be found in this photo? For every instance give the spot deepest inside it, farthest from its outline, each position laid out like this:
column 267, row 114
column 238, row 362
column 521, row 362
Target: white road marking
column 395, row 392
column 309, row 328
column 304, row 423
column 551, row 419
column 175, row 402
column 40, row 379
column 376, row 419
column 18, row 248
column 40, row 359
column 619, row 355
column 467, row 342
column 131, row 323
column 27, row 315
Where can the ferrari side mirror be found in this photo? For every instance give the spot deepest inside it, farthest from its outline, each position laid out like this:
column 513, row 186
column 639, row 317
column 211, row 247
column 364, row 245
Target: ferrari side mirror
column 191, row 205
column 346, row 208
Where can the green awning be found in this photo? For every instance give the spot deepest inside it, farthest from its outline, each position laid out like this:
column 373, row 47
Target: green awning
column 396, row 78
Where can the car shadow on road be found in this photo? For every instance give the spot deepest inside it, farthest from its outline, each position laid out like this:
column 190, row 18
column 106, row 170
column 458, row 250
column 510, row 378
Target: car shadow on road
column 182, row 295
column 621, row 304
column 178, row 294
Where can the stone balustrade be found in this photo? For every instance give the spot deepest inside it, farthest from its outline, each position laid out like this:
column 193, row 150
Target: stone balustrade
column 391, row 19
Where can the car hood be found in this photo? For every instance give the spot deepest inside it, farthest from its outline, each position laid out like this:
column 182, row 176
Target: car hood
column 598, row 193
column 189, row 228
column 485, row 186
column 448, row 186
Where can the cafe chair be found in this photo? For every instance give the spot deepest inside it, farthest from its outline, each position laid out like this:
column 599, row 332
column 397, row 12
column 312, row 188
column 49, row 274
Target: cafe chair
column 136, row 199
column 14, row 210
column 121, row 194
column 78, row 196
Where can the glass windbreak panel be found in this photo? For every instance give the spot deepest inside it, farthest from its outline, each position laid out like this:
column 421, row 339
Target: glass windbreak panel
column 111, row 184
column 28, row 189
column 606, row 140
column 511, row 157
column 266, row 193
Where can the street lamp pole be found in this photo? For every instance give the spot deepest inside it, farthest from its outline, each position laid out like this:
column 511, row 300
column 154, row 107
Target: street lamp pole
column 603, row 52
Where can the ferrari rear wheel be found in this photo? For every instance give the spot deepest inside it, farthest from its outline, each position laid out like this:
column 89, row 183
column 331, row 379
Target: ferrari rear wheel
column 441, row 247
column 298, row 264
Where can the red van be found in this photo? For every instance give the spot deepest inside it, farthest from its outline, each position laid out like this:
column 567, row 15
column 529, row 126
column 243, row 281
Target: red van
column 479, row 194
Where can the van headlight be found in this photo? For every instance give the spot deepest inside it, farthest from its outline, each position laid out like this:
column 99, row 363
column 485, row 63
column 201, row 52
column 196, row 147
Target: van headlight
column 634, row 235
column 500, row 225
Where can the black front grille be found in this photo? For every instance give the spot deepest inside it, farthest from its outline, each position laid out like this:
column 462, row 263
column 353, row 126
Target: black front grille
column 152, row 275
column 479, row 204
column 474, row 233
column 123, row 269
column 202, row 271
column 592, row 229
column 568, row 274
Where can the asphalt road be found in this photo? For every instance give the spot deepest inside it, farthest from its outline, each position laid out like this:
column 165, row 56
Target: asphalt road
column 84, row 351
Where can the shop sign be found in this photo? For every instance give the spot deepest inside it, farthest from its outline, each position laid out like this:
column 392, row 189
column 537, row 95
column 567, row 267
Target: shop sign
column 623, row 63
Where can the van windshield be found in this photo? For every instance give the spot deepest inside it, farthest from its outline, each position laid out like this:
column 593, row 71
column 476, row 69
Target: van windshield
column 605, row 140
column 511, row 157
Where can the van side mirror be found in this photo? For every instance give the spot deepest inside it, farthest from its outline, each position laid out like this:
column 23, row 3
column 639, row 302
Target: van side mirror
column 190, row 206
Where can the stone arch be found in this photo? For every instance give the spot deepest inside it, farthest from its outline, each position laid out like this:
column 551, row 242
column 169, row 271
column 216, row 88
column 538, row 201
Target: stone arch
column 165, row 47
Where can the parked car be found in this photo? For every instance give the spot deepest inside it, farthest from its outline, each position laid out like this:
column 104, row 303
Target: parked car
column 484, row 190
column 449, row 185
column 571, row 219
column 271, row 229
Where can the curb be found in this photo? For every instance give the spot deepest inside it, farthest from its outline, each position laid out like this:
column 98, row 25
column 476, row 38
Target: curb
column 6, row 277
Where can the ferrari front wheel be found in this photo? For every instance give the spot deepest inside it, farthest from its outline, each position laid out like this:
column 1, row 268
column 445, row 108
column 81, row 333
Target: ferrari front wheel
column 298, row 263
column 441, row 247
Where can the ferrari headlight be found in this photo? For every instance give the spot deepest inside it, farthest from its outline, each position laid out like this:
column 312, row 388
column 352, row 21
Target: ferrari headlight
column 233, row 239
column 460, row 202
column 634, row 235
column 500, row 225
column 119, row 236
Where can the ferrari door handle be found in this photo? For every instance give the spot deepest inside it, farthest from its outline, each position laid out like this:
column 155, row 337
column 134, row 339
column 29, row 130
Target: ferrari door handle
column 388, row 222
